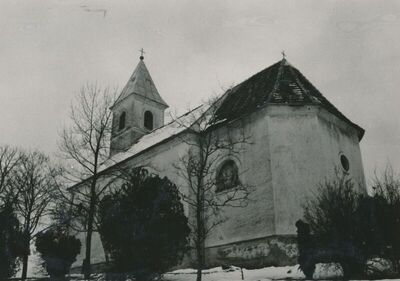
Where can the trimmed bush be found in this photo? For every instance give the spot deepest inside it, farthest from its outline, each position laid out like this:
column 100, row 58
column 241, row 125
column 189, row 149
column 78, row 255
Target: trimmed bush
column 58, row 251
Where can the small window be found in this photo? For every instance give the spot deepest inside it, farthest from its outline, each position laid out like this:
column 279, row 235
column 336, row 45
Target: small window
column 345, row 162
column 148, row 120
column 121, row 123
column 227, row 176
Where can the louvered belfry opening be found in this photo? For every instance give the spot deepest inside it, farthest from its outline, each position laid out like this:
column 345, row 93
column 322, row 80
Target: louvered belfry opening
column 148, row 120
column 122, row 121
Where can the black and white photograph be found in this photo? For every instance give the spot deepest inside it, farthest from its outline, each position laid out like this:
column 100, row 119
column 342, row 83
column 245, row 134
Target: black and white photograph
column 204, row 140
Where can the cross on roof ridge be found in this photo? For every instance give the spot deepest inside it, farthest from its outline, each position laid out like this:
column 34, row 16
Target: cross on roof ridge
column 142, row 52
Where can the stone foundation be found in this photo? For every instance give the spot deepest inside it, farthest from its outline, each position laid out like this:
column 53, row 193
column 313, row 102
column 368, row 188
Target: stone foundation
column 256, row 253
column 277, row 250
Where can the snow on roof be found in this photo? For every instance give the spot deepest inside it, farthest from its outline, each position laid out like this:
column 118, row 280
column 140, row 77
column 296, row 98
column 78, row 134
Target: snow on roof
column 156, row 136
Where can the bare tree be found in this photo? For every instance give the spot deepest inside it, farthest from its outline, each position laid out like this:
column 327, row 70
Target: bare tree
column 33, row 180
column 9, row 160
column 386, row 191
column 208, row 143
column 387, row 185
column 9, row 225
column 85, row 143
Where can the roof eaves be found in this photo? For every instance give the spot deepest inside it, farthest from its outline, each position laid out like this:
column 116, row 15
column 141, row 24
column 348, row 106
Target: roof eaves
column 128, row 158
column 144, row 150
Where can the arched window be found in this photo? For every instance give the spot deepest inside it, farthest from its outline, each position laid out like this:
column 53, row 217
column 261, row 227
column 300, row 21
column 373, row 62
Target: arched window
column 121, row 123
column 345, row 162
column 148, row 120
column 227, row 176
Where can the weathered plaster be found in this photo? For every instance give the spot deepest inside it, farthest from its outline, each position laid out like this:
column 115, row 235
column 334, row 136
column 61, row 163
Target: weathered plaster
column 305, row 144
column 257, row 218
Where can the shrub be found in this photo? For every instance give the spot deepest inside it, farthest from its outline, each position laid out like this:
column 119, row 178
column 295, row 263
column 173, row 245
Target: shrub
column 143, row 225
column 386, row 192
column 58, row 251
column 350, row 228
column 332, row 216
column 10, row 241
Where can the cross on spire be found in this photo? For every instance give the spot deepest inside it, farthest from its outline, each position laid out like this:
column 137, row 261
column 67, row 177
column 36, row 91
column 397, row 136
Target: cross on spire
column 283, row 54
column 142, row 52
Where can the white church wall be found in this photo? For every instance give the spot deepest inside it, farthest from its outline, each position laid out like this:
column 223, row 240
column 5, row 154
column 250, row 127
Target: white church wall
column 295, row 161
column 304, row 152
column 255, row 220
column 339, row 138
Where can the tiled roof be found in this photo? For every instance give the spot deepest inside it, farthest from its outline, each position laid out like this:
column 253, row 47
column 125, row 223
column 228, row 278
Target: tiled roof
column 141, row 84
column 280, row 83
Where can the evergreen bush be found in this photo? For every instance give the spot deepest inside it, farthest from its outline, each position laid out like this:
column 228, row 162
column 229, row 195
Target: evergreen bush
column 143, row 225
column 58, row 251
column 11, row 243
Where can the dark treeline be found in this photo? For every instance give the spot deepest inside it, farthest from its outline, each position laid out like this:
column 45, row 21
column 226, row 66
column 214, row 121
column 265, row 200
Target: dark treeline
column 142, row 222
column 28, row 184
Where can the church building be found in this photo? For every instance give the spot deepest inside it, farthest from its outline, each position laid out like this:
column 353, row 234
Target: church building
column 297, row 140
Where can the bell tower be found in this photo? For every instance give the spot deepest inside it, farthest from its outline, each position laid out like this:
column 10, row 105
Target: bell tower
column 138, row 110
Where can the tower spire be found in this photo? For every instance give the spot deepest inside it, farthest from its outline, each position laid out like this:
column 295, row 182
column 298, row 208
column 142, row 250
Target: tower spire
column 138, row 109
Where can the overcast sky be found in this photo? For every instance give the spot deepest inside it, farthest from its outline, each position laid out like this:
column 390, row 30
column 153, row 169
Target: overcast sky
column 350, row 50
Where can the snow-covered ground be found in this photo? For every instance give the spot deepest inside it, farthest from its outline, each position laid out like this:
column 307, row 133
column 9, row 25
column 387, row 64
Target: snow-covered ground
column 325, row 272
column 235, row 273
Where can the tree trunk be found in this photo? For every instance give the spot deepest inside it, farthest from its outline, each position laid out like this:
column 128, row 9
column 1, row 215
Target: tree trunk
column 92, row 208
column 200, row 237
column 24, row 266
column 200, row 215
column 199, row 253
column 25, row 257
column 87, row 260
column 200, row 263
column 198, row 278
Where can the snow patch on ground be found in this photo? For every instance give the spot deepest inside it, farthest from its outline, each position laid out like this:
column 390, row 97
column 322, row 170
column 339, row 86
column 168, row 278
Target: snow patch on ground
column 323, row 271
column 235, row 273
